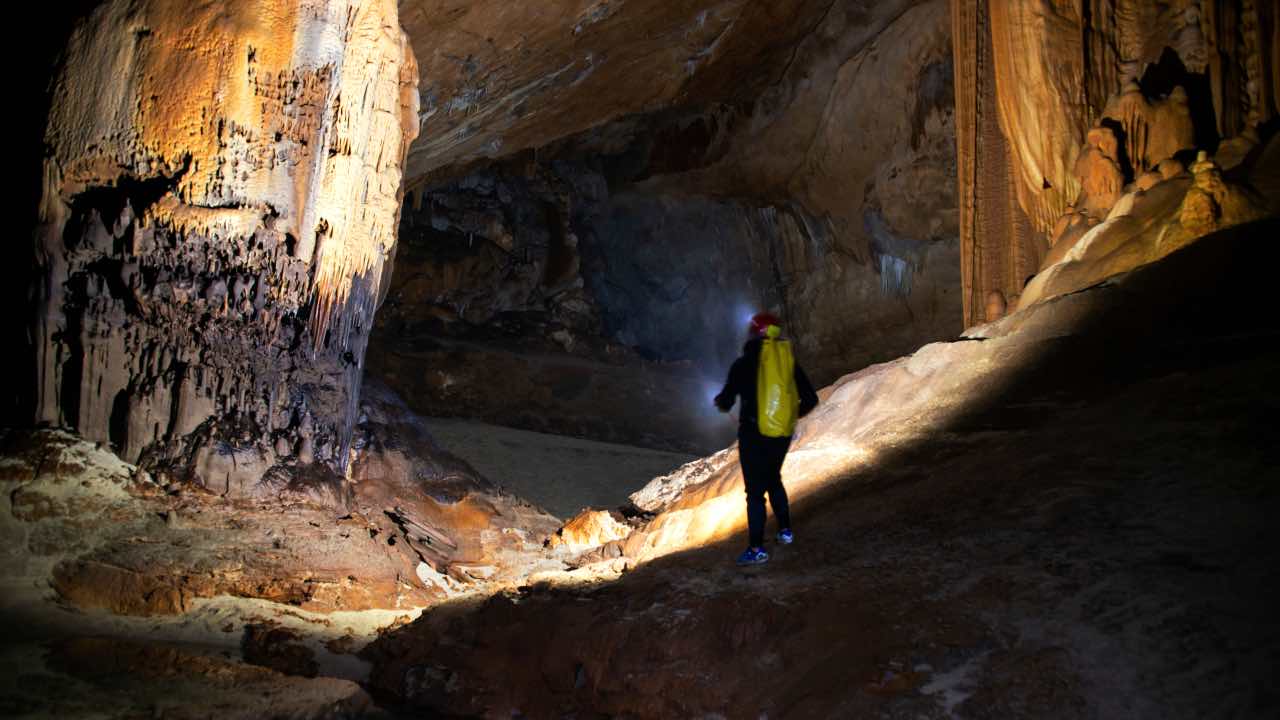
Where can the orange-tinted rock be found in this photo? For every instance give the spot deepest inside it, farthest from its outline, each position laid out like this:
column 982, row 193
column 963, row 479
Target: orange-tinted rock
column 589, row 529
column 1098, row 168
column 1153, row 131
column 1212, row 203
column 927, row 511
column 129, row 547
column 221, row 192
column 1048, row 71
column 996, row 306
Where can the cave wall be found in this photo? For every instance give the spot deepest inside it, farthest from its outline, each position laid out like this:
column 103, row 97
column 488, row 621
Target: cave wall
column 822, row 186
column 1045, row 90
column 220, row 201
column 851, row 155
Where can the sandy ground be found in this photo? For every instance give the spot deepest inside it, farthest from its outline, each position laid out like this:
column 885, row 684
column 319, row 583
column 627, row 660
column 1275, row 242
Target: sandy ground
column 562, row 474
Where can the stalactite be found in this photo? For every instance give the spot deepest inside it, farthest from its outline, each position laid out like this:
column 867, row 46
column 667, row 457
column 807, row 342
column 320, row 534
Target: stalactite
column 1059, row 68
column 192, row 213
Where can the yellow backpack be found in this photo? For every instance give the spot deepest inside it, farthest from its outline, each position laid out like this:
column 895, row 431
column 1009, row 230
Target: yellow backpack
column 777, row 400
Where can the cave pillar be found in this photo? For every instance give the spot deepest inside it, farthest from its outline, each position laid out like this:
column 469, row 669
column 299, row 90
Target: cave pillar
column 221, row 196
column 998, row 246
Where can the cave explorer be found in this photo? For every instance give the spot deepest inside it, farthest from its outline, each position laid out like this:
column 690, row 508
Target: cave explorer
column 775, row 392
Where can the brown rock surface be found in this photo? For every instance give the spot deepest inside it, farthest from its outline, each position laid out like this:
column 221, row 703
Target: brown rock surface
column 492, row 72
column 589, row 529
column 220, row 199
column 421, row 526
column 107, row 677
column 967, row 522
column 1171, row 76
column 1098, row 169
column 614, row 267
column 1144, row 226
column 278, row 648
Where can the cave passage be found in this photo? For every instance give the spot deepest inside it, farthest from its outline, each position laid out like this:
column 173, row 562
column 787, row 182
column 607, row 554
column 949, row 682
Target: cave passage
column 369, row 351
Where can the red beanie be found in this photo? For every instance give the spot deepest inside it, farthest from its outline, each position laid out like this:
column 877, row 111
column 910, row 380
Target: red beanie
column 760, row 323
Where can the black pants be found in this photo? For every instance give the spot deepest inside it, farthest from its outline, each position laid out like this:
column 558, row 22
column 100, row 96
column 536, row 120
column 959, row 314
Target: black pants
column 761, row 460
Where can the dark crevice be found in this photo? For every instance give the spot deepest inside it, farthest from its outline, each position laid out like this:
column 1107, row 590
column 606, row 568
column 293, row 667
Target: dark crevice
column 1124, row 161
column 1161, row 77
column 118, row 426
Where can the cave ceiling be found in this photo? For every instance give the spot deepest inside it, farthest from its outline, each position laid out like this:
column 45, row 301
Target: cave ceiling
column 498, row 77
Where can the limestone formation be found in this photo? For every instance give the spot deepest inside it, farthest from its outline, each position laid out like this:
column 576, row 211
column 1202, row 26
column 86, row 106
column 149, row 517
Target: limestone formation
column 500, row 77
column 1153, row 132
column 219, row 211
column 588, row 530
column 948, row 536
column 1212, row 203
column 996, row 306
column 76, row 515
column 1171, row 77
column 1098, row 170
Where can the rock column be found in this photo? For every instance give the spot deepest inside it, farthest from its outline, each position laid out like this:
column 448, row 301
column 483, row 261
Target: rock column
column 220, row 204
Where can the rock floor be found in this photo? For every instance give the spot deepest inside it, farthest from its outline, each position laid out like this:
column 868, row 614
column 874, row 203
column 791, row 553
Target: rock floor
column 1086, row 531
column 561, row 474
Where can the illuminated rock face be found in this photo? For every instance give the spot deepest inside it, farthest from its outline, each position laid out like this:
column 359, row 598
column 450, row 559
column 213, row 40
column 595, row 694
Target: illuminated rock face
column 220, row 204
column 1036, row 81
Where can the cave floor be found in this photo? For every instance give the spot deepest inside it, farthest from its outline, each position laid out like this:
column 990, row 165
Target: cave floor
column 1055, row 553
column 1091, row 533
column 561, row 474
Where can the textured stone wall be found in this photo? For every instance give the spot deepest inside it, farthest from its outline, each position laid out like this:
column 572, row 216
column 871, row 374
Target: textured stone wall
column 1038, row 84
column 221, row 194
column 498, row 77
column 822, row 189
column 825, row 190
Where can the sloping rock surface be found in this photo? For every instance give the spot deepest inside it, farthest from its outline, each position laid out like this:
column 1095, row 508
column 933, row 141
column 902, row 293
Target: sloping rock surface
column 1068, row 518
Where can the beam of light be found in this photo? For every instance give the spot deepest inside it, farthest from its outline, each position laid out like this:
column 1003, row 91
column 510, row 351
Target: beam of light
column 707, row 407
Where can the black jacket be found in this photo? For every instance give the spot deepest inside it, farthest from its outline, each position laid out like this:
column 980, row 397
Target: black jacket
column 742, row 383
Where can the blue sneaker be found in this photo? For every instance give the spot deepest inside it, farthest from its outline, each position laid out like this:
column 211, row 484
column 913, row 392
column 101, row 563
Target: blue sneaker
column 753, row 556
column 785, row 537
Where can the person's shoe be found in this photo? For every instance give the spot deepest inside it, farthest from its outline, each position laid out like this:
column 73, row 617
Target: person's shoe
column 753, row 556
column 786, row 537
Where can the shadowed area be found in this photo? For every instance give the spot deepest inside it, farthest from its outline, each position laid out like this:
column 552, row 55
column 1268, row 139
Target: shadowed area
column 1089, row 536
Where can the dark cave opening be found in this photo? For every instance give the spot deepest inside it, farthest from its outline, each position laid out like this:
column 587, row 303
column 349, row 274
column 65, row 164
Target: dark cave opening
column 118, row 424
column 1160, row 78
column 1122, row 147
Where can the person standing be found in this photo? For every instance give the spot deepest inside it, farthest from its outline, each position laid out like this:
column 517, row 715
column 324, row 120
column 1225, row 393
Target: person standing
column 774, row 392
